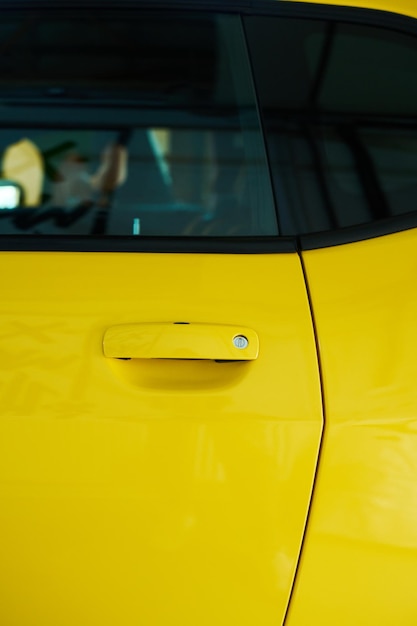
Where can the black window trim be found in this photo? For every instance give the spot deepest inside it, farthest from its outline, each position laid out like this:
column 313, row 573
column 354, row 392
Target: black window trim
column 362, row 232
column 283, row 8
column 132, row 244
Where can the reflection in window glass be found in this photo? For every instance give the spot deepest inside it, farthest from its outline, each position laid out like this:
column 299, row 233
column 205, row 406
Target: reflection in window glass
column 144, row 125
column 340, row 115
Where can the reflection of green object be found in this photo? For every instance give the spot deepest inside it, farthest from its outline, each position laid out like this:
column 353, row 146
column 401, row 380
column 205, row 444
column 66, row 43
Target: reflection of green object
column 62, row 147
column 50, row 170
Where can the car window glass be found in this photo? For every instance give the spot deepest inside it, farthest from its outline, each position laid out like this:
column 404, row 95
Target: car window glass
column 145, row 124
column 339, row 102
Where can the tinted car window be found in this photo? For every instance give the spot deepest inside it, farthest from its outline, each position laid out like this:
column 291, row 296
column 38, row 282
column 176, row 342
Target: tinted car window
column 340, row 104
column 145, row 124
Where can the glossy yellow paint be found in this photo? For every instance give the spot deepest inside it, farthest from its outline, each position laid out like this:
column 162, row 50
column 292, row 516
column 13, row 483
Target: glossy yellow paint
column 403, row 7
column 148, row 491
column 359, row 560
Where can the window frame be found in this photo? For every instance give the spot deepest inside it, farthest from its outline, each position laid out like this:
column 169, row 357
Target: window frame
column 222, row 245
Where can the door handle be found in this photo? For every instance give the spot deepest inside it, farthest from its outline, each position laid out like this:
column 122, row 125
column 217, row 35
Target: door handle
column 181, row 340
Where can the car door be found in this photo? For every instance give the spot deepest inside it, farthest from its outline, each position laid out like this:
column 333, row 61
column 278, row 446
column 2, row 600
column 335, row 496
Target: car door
column 160, row 397
column 343, row 145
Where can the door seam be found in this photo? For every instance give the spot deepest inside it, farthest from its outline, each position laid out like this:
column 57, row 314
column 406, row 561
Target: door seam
column 319, row 452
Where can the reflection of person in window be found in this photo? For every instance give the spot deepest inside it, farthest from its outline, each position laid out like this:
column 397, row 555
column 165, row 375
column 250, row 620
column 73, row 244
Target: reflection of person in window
column 77, row 185
column 23, row 164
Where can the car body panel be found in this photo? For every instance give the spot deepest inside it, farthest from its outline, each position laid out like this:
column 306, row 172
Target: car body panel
column 153, row 491
column 360, row 554
column 157, row 490
column 403, row 7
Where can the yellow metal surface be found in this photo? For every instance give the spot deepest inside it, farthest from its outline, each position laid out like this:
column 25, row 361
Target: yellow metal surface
column 359, row 560
column 152, row 492
column 404, row 7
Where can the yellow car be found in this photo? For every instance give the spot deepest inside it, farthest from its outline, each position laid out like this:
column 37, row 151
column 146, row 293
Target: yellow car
column 208, row 313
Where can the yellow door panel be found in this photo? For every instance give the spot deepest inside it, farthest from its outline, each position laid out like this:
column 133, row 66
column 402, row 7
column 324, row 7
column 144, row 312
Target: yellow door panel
column 360, row 556
column 153, row 491
column 404, row 7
